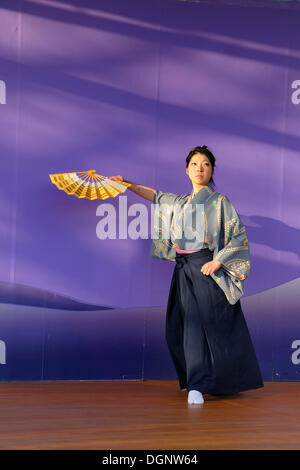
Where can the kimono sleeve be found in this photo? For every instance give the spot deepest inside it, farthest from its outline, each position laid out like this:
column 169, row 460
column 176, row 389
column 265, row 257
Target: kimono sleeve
column 165, row 198
column 163, row 213
column 234, row 255
column 162, row 246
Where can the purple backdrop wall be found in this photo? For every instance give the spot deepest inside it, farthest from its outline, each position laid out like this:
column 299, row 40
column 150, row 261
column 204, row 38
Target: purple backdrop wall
column 129, row 88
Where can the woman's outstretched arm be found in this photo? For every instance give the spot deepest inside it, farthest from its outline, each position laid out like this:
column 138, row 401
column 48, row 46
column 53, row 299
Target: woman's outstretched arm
column 143, row 191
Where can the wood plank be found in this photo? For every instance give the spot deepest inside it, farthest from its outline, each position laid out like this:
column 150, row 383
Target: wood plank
column 145, row 415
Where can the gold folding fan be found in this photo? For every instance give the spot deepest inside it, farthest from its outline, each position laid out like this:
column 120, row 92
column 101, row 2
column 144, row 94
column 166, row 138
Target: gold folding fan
column 89, row 185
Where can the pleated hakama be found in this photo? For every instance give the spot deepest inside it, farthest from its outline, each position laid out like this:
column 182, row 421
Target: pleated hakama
column 208, row 337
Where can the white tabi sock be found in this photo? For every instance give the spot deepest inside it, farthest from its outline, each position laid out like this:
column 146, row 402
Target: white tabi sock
column 195, row 397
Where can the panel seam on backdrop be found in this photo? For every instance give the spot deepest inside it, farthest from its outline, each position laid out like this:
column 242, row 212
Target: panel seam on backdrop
column 157, row 88
column 284, row 120
column 16, row 165
column 144, row 347
column 156, row 117
column 275, row 367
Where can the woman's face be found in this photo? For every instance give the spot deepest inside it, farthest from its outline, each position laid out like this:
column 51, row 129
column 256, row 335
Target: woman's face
column 199, row 170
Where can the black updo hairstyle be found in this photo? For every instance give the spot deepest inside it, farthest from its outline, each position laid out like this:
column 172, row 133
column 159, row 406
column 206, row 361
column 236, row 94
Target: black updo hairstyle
column 205, row 151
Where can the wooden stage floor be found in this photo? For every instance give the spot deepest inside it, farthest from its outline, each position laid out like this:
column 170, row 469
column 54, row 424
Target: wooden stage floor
column 145, row 415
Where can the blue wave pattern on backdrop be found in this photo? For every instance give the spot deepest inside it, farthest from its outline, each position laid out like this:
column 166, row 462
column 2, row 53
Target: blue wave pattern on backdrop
column 24, row 295
column 129, row 344
column 129, row 88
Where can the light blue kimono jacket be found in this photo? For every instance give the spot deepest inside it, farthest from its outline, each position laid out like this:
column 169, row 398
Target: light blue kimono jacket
column 223, row 233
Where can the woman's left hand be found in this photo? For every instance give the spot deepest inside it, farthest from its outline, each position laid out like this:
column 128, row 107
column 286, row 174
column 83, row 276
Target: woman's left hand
column 211, row 267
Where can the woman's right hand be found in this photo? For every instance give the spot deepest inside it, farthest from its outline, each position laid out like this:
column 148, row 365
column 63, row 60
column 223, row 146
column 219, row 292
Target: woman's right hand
column 143, row 191
column 116, row 178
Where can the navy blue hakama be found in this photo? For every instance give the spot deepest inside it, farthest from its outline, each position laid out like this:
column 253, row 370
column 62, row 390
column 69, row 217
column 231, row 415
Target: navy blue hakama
column 208, row 337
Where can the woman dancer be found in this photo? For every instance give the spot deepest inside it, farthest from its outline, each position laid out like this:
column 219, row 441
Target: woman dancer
column 206, row 331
